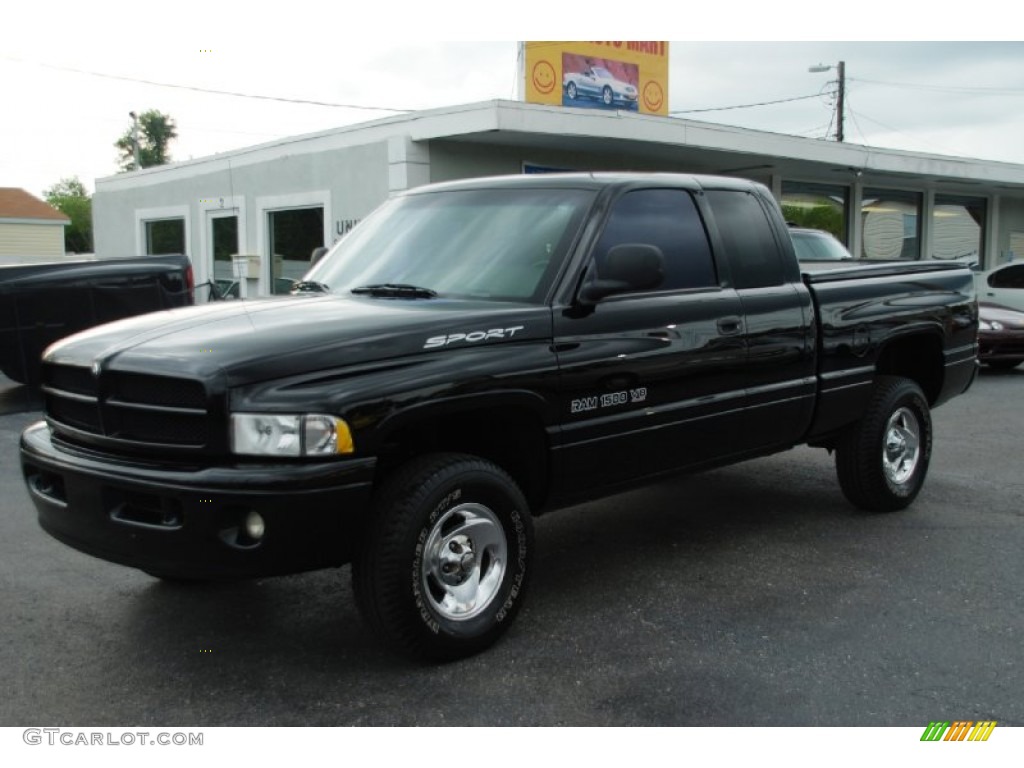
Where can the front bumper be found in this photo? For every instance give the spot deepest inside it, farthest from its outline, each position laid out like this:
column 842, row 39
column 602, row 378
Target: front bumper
column 1000, row 345
column 188, row 522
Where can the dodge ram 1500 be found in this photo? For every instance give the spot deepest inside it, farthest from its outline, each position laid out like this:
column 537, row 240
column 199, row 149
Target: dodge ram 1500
column 474, row 354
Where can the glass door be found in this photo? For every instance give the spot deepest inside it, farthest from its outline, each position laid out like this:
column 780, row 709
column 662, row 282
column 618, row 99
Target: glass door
column 294, row 234
column 223, row 245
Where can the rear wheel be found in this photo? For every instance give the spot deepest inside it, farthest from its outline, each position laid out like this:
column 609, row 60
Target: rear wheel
column 444, row 567
column 607, row 97
column 570, row 91
column 882, row 460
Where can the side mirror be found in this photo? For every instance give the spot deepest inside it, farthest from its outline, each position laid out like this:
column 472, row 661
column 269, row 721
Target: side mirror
column 627, row 267
column 318, row 253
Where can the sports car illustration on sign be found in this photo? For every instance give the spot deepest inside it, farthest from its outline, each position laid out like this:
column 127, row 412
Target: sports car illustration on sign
column 598, row 83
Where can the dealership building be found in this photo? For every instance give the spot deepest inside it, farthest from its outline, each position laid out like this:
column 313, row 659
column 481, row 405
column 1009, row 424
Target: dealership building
column 276, row 202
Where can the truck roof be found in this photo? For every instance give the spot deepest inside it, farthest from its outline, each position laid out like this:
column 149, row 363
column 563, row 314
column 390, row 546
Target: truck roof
column 593, row 180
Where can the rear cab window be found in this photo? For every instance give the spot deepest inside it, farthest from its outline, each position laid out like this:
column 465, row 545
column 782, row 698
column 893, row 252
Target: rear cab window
column 750, row 244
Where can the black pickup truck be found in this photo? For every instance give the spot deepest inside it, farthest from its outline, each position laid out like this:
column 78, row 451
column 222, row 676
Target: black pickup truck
column 474, row 354
column 41, row 303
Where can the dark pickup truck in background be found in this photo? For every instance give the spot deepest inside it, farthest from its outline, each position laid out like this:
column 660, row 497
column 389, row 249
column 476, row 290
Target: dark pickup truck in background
column 477, row 353
column 41, row 303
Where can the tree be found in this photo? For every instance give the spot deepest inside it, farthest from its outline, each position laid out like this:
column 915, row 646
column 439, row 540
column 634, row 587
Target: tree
column 828, row 218
column 70, row 197
column 156, row 131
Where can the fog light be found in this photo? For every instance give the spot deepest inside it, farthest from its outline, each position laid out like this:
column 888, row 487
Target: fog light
column 254, row 526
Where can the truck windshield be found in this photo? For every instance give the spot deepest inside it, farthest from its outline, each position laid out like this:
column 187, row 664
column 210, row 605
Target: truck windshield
column 498, row 244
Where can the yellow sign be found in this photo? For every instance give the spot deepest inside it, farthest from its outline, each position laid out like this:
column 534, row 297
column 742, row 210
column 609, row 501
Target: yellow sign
column 623, row 74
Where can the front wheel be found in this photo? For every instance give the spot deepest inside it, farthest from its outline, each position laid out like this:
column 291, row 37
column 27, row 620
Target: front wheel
column 882, row 460
column 1003, row 365
column 445, row 562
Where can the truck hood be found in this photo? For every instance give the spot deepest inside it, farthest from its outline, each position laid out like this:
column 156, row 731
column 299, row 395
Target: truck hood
column 242, row 342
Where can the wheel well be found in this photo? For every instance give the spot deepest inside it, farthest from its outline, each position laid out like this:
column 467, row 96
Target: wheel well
column 916, row 357
column 514, row 439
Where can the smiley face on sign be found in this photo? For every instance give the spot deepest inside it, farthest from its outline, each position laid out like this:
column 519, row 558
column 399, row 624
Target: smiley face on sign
column 543, row 77
column 653, row 96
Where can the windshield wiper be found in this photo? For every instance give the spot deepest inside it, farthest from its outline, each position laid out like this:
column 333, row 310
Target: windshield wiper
column 395, row 290
column 309, row 285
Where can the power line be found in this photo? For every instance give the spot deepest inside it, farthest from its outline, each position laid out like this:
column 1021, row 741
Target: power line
column 215, row 91
column 916, row 139
column 758, row 104
column 853, row 118
column 816, row 129
column 945, row 88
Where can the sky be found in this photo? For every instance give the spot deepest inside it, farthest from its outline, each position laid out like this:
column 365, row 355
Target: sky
column 70, row 73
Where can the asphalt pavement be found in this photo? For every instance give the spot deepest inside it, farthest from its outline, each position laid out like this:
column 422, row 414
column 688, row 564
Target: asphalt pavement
column 750, row 595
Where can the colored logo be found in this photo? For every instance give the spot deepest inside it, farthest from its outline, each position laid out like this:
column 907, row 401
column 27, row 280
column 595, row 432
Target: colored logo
column 544, row 77
column 654, row 97
column 961, row 730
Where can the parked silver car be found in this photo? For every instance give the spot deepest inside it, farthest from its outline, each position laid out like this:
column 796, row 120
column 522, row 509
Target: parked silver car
column 817, row 245
column 1003, row 285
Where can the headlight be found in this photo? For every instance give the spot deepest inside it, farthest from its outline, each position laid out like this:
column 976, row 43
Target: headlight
column 990, row 325
column 279, row 434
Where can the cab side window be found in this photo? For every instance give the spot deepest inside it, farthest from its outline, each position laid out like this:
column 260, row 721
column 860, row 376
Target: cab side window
column 750, row 246
column 667, row 219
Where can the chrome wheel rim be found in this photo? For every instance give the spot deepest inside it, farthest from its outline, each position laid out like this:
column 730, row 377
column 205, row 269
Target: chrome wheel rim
column 901, row 451
column 464, row 561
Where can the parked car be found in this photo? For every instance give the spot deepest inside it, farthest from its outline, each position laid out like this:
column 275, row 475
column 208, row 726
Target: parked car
column 817, row 245
column 1000, row 336
column 1002, row 285
column 598, row 83
column 43, row 302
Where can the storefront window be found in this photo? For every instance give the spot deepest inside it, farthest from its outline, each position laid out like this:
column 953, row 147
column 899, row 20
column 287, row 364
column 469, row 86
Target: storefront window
column 165, row 236
column 817, row 206
column 958, row 224
column 891, row 221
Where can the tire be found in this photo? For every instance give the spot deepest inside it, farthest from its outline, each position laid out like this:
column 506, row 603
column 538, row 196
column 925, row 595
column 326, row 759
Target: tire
column 444, row 567
column 606, row 96
column 1003, row 365
column 570, row 91
column 882, row 460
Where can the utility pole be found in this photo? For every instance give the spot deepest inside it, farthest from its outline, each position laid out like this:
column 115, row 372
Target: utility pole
column 841, row 95
column 841, row 102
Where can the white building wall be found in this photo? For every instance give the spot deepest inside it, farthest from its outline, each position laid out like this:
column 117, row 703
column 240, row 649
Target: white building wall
column 1011, row 223
column 348, row 182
